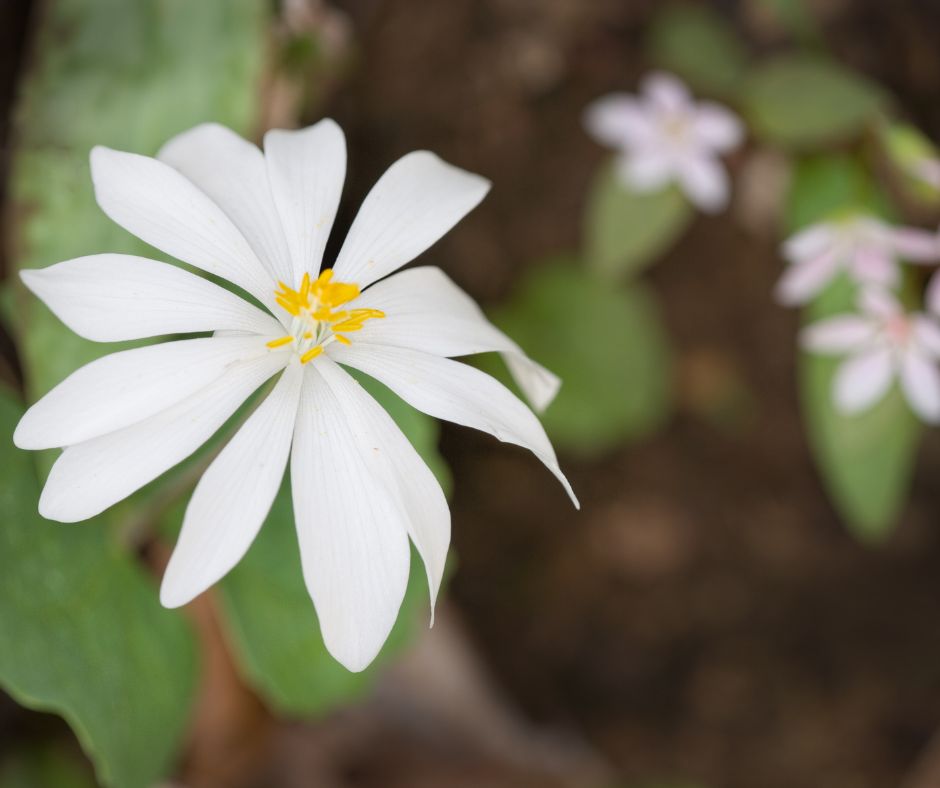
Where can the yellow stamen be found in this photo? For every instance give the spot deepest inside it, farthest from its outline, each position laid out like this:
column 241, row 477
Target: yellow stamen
column 316, row 303
column 348, row 325
column 311, row 354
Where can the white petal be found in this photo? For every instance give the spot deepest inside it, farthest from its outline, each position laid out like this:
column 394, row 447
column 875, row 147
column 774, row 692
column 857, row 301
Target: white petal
column 873, row 266
column 809, row 243
column 232, row 172
column 878, row 303
column 116, row 297
column 717, row 127
column 123, row 388
column 91, row 476
column 803, row 281
column 646, row 169
column 358, row 486
column 618, row 120
column 666, row 92
column 234, row 495
column 839, row 334
column 454, row 392
column 926, row 334
column 425, row 310
column 306, row 170
column 915, row 245
column 162, row 207
column 417, row 200
column 705, row 182
column 428, row 520
column 920, row 381
column 862, row 380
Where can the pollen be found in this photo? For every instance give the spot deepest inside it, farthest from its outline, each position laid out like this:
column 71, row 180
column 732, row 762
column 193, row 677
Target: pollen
column 317, row 316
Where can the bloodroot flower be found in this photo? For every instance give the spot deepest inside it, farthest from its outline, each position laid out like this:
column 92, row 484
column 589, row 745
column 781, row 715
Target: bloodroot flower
column 882, row 343
column 664, row 136
column 261, row 221
column 866, row 248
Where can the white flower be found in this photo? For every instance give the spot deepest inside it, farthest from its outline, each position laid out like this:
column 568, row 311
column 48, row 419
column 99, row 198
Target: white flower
column 359, row 489
column 882, row 343
column 866, row 248
column 664, row 136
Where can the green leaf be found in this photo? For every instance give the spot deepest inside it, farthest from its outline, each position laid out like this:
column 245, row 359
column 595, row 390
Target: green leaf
column 802, row 102
column 84, row 634
column 268, row 612
column 829, row 186
column 128, row 75
column 606, row 344
column 626, row 231
column 866, row 461
column 697, row 44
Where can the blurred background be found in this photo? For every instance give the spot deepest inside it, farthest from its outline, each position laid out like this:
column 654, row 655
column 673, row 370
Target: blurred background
column 708, row 620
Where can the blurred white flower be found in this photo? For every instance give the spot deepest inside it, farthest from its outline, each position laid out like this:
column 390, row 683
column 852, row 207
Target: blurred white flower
column 866, row 248
column 882, row 342
column 664, row 136
column 261, row 221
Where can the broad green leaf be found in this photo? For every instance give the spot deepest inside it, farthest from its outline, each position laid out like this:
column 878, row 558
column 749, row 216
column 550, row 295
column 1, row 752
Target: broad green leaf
column 83, row 633
column 128, row 75
column 606, row 344
column 828, row 186
column 802, row 102
column 268, row 612
column 696, row 43
column 626, row 231
column 865, row 460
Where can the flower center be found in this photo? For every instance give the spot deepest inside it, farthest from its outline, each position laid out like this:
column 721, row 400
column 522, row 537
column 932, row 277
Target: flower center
column 676, row 126
column 898, row 330
column 316, row 320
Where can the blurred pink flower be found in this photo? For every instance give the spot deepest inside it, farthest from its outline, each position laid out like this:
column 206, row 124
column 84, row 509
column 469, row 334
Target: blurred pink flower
column 664, row 136
column 866, row 248
column 882, row 342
